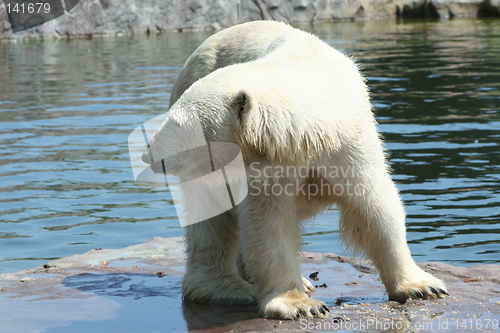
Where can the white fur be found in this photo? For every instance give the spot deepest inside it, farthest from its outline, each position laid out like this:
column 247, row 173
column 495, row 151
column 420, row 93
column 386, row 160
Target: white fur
column 290, row 100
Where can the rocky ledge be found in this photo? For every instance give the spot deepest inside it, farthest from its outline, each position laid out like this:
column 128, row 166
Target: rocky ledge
column 112, row 17
column 91, row 289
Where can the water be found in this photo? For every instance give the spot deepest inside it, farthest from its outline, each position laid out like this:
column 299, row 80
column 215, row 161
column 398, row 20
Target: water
column 66, row 109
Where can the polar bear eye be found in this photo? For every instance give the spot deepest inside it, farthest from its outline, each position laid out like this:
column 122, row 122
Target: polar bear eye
column 241, row 103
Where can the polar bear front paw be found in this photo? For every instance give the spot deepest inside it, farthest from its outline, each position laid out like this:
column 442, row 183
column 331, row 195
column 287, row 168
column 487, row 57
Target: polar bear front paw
column 293, row 304
column 420, row 285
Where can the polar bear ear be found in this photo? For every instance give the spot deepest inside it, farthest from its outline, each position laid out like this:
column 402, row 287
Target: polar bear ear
column 241, row 103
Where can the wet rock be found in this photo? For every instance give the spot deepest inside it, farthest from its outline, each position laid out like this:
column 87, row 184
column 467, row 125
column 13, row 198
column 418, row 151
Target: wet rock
column 490, row 8
column 145, row 280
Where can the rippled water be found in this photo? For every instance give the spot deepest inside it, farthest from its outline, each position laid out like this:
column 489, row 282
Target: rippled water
column 66, row 109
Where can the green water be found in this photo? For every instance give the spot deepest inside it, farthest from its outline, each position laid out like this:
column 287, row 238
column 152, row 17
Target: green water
column 67, row 108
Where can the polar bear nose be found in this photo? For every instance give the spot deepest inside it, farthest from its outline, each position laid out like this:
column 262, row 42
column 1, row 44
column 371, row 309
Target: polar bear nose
column 145, row 156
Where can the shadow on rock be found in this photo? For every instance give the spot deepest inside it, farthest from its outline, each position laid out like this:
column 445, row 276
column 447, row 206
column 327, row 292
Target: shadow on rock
column 135, row 286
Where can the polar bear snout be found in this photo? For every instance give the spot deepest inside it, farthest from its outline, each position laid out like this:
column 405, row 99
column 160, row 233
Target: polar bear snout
column 156, row 166
column 145, row 156
column 190, row 163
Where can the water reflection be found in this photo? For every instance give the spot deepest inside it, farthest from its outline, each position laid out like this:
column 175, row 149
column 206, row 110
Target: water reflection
column 66, row 109
column 42, row 315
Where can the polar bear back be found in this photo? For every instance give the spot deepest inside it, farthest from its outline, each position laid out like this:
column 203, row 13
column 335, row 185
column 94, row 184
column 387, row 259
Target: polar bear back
column 298, row 61
column 227, row 47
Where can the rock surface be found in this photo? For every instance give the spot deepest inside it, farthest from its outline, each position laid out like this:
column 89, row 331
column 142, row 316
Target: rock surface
column 93, row 288
column 111, row 17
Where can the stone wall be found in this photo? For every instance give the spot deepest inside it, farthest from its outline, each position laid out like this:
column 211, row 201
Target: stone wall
column 111, row 17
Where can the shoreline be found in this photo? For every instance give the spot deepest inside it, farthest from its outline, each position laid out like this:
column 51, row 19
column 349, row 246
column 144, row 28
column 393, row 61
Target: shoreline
column 350, row 287
column 101, row 18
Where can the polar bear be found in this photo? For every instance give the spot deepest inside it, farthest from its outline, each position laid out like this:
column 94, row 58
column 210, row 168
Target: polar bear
column 300, row 112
